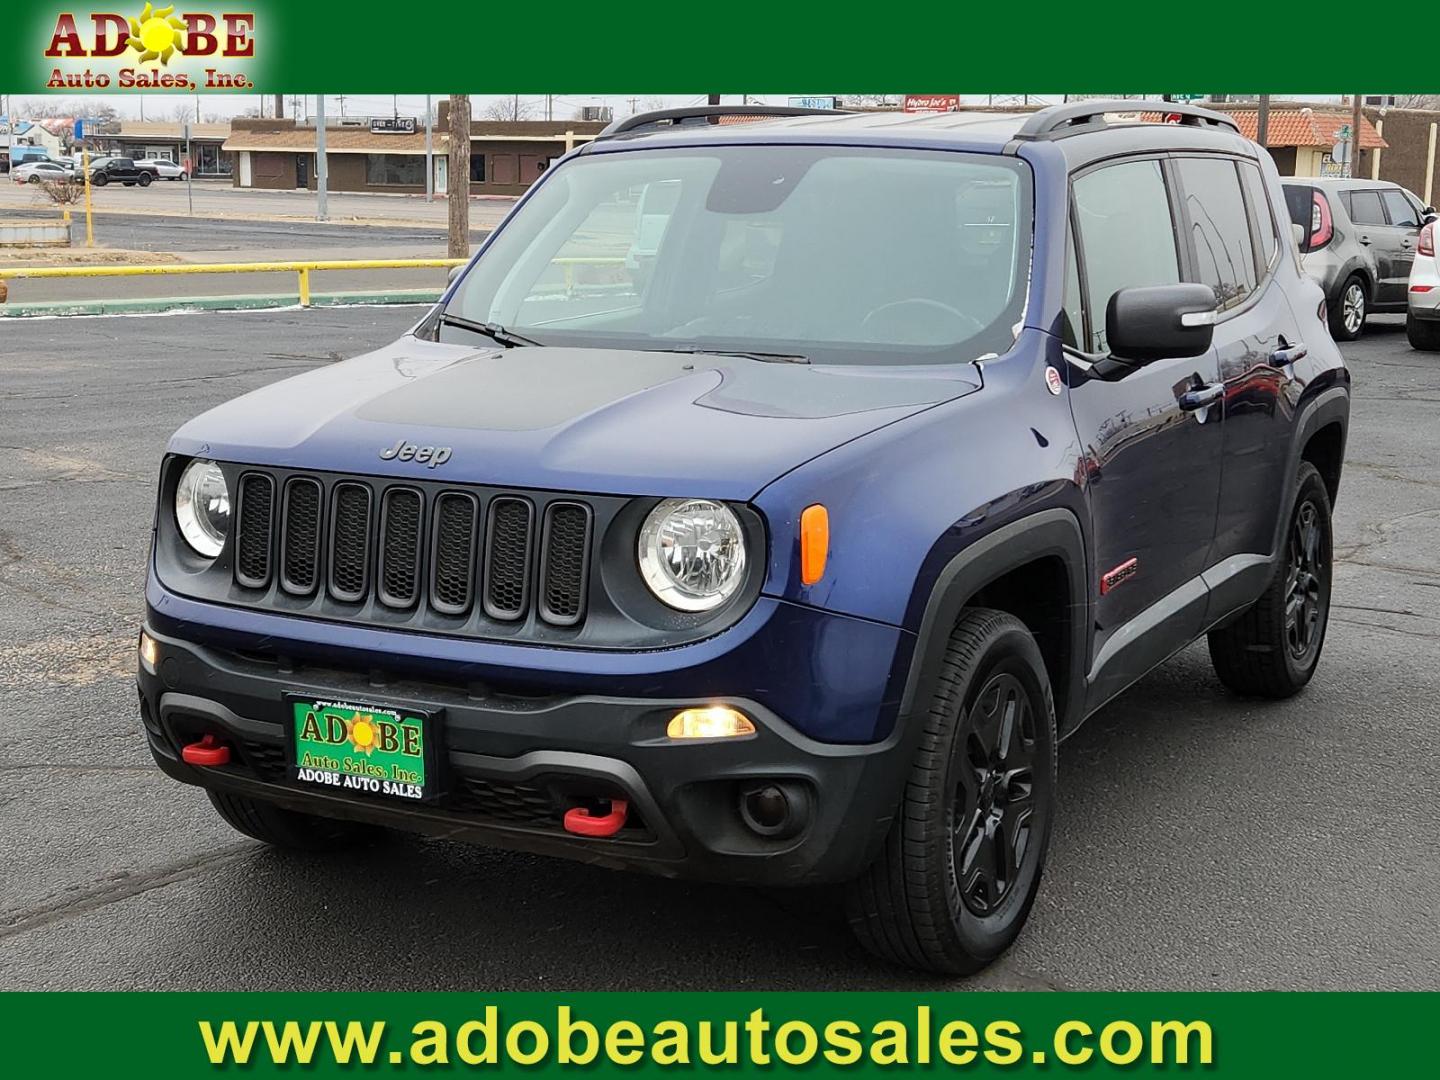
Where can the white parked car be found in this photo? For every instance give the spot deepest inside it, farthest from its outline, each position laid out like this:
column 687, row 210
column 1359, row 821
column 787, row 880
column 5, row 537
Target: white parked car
column 1422, row 316
column 164, row 168
column 32, row 172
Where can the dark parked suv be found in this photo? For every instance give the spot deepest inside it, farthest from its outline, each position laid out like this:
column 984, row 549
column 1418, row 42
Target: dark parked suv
column 790, row 559
column 117, row 170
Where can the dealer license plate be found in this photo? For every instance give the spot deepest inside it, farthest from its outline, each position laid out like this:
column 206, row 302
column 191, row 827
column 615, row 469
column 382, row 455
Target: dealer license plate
column 361, row 749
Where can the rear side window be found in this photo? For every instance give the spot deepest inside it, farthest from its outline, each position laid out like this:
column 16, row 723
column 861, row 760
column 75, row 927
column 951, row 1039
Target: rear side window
column 1365, row 209
column 1401, row 212
column 1260, row 208
column 1219, row 229
column 1127, row 235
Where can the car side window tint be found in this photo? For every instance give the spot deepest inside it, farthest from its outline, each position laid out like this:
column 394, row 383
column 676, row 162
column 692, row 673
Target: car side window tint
column 1365, row 208
column 1127, row 235
column 1072, row 321
column 1401, row 212
column 1261, row 208
column 1219, row 229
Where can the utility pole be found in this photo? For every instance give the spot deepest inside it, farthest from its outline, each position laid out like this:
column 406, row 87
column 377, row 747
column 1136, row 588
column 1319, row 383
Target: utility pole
column 1356, row 117
column 429, row 152
column 279, row 106
column 1262, row 121
column 713, row 99
column 458, row 187
column 322, row 162
column 549, row 106
column 342, row 106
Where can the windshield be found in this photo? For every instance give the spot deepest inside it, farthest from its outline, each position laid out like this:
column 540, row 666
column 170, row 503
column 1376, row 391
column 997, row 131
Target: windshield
column 833, row 254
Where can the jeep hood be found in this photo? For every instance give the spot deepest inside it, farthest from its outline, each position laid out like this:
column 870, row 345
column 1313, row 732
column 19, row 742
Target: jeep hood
column 597, row 420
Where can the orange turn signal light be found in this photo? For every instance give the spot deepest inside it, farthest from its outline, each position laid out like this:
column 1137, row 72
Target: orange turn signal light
column 814, row 543
column 715, row 722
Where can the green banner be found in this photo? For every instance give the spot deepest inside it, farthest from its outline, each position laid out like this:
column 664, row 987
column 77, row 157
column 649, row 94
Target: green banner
column 569, row 47
column 1226, row 1035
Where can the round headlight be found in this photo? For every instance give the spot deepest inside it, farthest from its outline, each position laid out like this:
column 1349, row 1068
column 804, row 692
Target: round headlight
column 202, row 507
column 692, row 553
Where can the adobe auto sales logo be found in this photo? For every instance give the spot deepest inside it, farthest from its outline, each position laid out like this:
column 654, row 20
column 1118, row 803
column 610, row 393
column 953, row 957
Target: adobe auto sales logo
column 155, row 49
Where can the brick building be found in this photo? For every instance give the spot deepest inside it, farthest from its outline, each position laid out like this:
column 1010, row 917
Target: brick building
column 505, row 157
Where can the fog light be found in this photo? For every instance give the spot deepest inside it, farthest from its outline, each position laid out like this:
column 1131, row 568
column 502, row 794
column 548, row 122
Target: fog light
column 149, row 652
column 716, row 722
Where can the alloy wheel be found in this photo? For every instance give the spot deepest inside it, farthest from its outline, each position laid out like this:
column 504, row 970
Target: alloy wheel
column 1352, row 312
column 994, row 808
column 1305, row 593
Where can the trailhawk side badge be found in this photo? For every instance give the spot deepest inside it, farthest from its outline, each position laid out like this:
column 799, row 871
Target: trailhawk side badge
column 1121, row 574
column 1053, row 381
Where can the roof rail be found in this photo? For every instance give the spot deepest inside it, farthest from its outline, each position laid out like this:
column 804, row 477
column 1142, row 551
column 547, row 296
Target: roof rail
column 1058, row 121
column 692, row 115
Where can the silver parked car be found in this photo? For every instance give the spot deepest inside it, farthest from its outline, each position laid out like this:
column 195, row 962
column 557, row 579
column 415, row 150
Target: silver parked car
column 1358, row 241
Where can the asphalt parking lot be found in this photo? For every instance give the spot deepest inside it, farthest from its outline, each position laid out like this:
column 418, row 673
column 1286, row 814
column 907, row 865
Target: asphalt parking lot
column 1204, row 841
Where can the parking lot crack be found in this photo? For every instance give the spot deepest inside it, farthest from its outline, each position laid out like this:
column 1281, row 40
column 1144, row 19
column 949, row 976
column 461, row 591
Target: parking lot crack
column 33, row 916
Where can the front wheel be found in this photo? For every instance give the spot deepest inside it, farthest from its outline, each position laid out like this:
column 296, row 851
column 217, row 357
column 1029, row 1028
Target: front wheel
column 1272, row 649
column 100, row 181
column 1423, row 334
column 1347, row 318
column 954, row 883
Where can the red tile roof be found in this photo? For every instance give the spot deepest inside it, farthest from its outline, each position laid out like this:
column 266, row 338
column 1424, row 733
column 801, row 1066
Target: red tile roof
column 1305, row 127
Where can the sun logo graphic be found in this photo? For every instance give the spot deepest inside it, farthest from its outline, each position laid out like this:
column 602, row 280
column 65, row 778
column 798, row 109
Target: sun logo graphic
column 364, row 733
column 157, row 34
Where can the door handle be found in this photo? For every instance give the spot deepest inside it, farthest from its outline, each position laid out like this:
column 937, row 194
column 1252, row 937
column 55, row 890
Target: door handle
column 1364, row 239
column 1406, row 243
column 1288, row 354
column 1201, row 396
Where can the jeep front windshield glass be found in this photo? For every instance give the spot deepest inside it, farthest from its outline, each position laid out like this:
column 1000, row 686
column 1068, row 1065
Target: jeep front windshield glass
column 833, row 254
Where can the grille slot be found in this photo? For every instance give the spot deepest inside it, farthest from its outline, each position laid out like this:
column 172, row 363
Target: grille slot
column 565, row 543
column 402, row 513
column 508, row 541
column 452, row 553
column 349, row 571
column 516, row 804
column 300, row 533
column 255, row 519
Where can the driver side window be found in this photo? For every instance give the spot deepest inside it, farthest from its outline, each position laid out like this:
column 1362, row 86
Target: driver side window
column 1127, row 235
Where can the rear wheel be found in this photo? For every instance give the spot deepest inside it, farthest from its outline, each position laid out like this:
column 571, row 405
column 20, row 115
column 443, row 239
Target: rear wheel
column 283, row 828
column 1424, row 334
column 1272, row 649
column 144, row 179
column 1347, row 317
column 954, row 883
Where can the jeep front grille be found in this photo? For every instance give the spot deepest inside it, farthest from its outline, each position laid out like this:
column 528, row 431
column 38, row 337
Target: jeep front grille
column 387, row 553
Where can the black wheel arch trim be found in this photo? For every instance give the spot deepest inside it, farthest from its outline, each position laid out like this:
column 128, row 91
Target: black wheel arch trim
column 1051, row 532
column 1330, row 406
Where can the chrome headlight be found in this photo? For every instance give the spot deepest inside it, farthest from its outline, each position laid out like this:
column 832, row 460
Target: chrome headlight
column 202, row 507
column 692, row 553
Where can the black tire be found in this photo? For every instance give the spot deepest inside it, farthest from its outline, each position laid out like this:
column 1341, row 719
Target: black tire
column 99, row 180
column 182, row 176
column 917, row 905
column 32, row 179
column 1424, row 334
column 283, row 828
column 1346, row 322
column 144, row 180
column 1272, row 649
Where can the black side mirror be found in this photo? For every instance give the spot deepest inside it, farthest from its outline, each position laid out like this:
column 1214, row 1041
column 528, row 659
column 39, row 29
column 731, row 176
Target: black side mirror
column 1160, row 322
column 1428, row 215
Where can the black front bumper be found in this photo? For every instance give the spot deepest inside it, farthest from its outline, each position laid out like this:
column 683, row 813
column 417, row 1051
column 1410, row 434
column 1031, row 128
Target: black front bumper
column 512, row 766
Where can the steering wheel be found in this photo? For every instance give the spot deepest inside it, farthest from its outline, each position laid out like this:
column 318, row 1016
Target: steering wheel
column 974, row 324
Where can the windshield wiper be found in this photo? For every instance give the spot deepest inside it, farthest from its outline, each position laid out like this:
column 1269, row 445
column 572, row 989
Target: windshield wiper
column 763, row 357
column 494, row 331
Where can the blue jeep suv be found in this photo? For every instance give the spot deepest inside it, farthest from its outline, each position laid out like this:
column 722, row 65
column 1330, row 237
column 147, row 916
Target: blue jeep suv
column 763, row 503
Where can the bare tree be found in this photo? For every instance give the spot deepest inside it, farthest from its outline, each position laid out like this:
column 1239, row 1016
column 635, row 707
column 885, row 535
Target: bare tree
column 509, row 108
column 1417, row 101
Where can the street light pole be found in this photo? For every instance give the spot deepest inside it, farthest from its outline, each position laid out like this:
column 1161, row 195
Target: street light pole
column 322, row 162
column 429, row 153
column 1355, row 118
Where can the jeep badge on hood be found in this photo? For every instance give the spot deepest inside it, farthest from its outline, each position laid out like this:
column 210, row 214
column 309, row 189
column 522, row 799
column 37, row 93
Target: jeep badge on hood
column 408, row 451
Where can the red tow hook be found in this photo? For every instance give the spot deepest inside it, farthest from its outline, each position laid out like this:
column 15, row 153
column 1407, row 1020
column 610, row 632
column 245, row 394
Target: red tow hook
column 581, row 822
column 205, row 752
